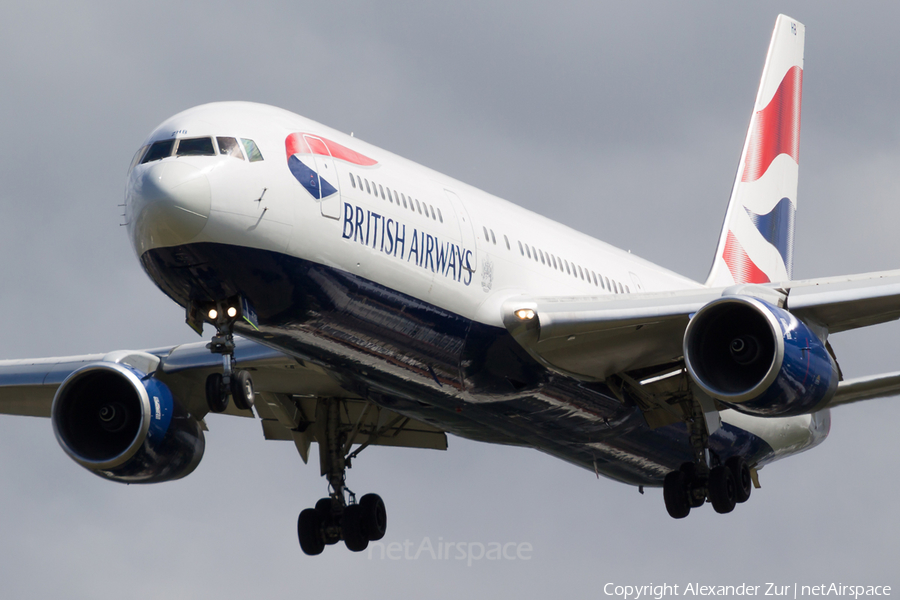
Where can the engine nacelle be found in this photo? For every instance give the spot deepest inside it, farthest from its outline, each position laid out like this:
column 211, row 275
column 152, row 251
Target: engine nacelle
column 758, row 359
column 125, row 426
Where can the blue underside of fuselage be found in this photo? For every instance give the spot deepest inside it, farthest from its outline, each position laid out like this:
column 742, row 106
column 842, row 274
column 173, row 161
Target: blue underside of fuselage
column 427, row 363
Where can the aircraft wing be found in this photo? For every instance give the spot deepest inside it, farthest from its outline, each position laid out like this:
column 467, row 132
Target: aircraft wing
column 594, row 337
column 866, row 388
column 286, row 389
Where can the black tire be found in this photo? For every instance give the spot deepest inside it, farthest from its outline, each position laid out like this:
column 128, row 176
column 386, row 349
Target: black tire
column 743, row 481
column 242, row 390
column 351, row 529
column 330, row 534
column 722, row 489
column 374, row 517
column 323, row 507
column 691, row 483
column 216, row 398
column 675, row 495
column 309, row 527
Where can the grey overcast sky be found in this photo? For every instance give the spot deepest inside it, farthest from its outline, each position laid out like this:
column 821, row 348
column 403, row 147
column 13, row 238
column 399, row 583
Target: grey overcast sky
column 621, row 119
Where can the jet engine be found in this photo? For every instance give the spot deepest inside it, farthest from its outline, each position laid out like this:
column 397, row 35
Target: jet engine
column 758, row 359
column 124, row 425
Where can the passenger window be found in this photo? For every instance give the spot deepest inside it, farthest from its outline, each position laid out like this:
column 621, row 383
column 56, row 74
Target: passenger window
column 553, row 258
column 528, row 250
column 368, row 189
column 433, row 216
column 505, row 239
column 441, row 219
column 381, row 189
column 404, row 200
column 627, row 290
column 253, row 153
column 228, row 146
column 567, row 267
column 352, row 181
column 521, row 249
column 159, row 150
column 493, row 239
column 389, row 197
column 359, row 181
column 535, row 252
column 606, row 279
column 542, row 256
column 486, row 238
column 419, row 206
column 595, row 278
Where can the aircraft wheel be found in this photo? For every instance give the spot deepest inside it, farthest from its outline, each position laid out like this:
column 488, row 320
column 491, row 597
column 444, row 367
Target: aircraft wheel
column 743, row 481
column 692, row 481
column 309, row 526
column 242, row 390
column 351, row 528
column 374, row 516
column 216, row 396
column 722, row 489
column 676, row 496
column 331, row 533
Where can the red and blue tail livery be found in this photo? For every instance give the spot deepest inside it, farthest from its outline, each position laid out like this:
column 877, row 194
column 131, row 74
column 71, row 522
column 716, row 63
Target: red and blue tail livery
column 756, row 243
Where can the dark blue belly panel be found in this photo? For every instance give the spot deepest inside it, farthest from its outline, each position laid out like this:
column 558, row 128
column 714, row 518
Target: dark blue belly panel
column 465, row 377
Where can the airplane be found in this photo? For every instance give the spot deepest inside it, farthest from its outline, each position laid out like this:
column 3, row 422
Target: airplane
column 360, row 299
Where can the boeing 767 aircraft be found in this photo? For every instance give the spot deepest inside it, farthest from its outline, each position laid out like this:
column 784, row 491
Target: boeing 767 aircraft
column 358, row 298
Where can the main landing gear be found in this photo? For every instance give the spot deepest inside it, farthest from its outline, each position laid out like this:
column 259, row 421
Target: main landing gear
column 339, row 516
column 724, row 485
column 230, row 382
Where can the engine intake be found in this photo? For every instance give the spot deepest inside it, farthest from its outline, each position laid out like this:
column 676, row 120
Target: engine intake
column 758, row 359
column 125, row 426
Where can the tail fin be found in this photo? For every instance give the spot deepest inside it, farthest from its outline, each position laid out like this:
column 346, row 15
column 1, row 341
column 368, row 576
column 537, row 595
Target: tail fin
column 757, row 240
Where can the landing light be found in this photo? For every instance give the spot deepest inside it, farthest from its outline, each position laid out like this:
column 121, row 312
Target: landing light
column 213, row 313
column 232, row 312
column 525, row 314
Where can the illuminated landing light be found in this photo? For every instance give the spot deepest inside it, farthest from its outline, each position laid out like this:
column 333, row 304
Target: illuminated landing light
column 232, row 312
column 213, row 313
column 525, row 314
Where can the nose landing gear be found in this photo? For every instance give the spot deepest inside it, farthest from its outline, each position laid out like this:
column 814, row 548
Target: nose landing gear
column 230, row 382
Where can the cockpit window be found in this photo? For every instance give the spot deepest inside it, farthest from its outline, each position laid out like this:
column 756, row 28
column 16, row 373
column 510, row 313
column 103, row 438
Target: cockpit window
column 228, row 146
column 252, row 151
column 137, row 157
column 159, row 150
column 195, row 147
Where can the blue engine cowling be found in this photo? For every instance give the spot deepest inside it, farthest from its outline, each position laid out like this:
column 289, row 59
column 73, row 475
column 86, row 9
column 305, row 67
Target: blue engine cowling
column 124, row 425
column 758, row 359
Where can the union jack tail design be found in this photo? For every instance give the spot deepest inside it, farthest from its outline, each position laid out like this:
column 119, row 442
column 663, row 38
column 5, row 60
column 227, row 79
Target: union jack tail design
column 757, row 241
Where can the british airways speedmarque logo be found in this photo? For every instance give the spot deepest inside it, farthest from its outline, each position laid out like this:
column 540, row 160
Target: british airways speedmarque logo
column 307, row 152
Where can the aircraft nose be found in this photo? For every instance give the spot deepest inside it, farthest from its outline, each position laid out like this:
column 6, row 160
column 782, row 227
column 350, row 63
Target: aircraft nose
column 170, row 204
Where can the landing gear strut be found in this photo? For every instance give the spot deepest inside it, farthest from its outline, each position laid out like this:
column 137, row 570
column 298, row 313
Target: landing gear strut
column 230, row 382
column 695, row 482
column 339, row 516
